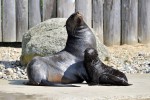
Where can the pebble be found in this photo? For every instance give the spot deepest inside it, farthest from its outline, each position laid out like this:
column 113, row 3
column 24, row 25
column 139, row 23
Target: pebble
column 24, row 77
column 19, row 74
column 15, row 76
column 5, row 77
column 8, row 71
column 17, row 63
column 17, row 69
column 22, row 72
column 1, row 75
column 1, row 67
column 9, row 77
column 13, row 71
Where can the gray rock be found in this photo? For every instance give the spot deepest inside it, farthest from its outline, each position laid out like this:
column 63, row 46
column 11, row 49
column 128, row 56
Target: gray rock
column 1, row 75
column 9, row 77
column 17, row 63
column 14, row 70
column 22, row 72
column 19, row 74
column 24, row 77
column 2, row 67
column 5, row 77
column 48, row 38
column 8, row 71
column 14, row 76
column 17, row 69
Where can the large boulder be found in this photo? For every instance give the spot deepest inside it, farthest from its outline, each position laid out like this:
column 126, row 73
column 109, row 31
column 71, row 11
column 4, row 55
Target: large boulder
column 48, row 38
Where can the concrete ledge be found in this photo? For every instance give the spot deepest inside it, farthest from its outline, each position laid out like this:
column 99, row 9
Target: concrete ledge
column 140, row 90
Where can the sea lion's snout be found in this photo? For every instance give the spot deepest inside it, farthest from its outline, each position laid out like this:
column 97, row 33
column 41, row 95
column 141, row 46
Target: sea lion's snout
column 78, row 14
column 91, row 51
column 75, row 15
column 78, row 17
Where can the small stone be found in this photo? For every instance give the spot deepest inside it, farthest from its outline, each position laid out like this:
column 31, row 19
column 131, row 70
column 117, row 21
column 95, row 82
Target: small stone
column 15, row 76
column 1, row 75
column 23, row 73
column 17, row 63
column 17, row 69
column 25, row 70
column 2, row 67
column 8, row 71
column 14, row 70
column 141, row 54
column 24, row 77
column 9, row 77
column 5, row 77
column 19, row 74
column 12, row 63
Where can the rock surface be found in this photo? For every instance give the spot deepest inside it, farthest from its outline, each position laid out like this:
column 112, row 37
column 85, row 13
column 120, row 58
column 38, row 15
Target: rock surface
column 48, row 38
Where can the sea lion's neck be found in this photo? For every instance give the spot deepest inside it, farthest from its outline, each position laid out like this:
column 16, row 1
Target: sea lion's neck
column 92, row 61
column 81, row 39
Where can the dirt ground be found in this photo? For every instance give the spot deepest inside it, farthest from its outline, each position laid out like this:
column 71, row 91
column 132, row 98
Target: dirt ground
column 9, row 53
column 13, row 53
column 130, row 50
column 126, row 52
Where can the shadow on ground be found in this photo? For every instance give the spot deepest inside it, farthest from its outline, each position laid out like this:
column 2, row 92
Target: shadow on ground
column 18, row 96
column 11, row 44
column 17, row 82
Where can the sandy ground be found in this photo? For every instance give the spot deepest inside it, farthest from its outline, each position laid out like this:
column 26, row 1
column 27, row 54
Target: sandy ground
column 9, row 53
column 131, row 49
column 133, row 55
column 140, row 90
column 13, row 53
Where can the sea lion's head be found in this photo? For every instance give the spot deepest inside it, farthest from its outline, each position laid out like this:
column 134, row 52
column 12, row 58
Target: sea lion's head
column 90, row 54
column 74, row 21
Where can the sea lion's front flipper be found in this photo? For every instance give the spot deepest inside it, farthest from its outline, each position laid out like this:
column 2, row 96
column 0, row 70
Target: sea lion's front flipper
column 47, row 83
column 112, row 80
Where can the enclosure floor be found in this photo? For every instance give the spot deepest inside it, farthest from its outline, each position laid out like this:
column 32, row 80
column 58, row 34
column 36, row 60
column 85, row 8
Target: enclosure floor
column 140, row 90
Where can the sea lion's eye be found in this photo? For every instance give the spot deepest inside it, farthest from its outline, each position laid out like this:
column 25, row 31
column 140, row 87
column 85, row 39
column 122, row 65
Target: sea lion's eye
column 78, row 13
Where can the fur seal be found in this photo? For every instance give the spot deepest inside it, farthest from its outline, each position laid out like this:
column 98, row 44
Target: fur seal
column 66, row 66
column 101, row 74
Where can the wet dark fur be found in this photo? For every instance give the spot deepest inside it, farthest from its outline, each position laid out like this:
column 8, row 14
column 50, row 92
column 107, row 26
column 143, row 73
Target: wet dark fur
column 101, row 74
column 66, row 66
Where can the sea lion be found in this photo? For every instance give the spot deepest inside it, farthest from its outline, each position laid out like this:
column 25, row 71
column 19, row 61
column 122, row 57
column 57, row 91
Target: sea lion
column 101, row 74
column 66, row 66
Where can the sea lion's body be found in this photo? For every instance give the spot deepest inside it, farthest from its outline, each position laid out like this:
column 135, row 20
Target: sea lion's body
column 101, row 74
column 65, row 66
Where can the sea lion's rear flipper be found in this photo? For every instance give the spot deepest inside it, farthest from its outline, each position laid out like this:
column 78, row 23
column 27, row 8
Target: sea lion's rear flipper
column 112, row 80
column 47, row 83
